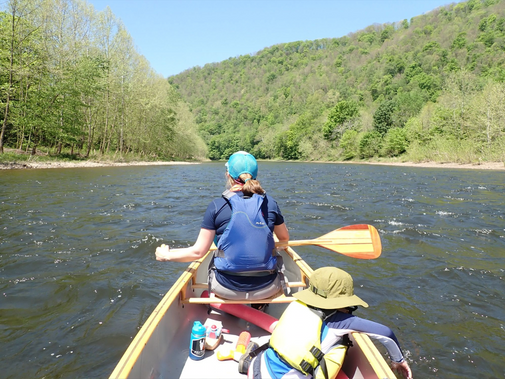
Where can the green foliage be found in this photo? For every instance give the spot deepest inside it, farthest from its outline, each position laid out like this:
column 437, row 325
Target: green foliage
column 460, row 41
column 383, row 117
column 340, row 119
column 391, row 73
column 222, row 146
column 387, row 33
column 431, row 46
column 394, row 143
column 349, row 144
column 286, row 146
column 407, row 105
column 367, row 37
column 288, row 143
column 70, row 79
column 369, row 145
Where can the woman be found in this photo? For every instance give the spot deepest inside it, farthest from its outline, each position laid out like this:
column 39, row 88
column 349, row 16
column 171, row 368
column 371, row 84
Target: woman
column 241, row 223
column 310, row 339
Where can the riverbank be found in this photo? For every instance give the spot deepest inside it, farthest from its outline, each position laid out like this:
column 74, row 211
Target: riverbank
column 480, row 166
column 79, row 164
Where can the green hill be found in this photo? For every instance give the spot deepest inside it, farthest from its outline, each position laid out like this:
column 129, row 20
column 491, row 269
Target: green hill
column 428, row 88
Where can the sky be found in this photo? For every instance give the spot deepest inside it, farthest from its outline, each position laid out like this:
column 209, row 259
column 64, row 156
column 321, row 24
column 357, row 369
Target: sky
column 175, row 35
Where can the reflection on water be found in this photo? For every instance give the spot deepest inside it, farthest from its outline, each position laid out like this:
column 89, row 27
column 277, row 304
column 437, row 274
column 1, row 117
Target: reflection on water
column 78, row 276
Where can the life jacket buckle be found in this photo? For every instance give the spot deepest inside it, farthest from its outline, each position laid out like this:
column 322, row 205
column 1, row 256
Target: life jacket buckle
column 306, row 367
column 318, row 354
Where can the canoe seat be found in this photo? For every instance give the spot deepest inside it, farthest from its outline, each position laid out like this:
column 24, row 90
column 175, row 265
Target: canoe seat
column 278, row 298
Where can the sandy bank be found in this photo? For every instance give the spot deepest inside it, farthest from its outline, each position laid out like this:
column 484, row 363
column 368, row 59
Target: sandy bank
column 481, row 166
column 55, row 164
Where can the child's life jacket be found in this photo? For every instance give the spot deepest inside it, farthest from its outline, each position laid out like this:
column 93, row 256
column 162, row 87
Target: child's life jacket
column 297, row 340
column 246, row 247
column 297, row 337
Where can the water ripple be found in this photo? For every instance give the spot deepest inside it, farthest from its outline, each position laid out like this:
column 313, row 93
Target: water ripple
column 78, row 276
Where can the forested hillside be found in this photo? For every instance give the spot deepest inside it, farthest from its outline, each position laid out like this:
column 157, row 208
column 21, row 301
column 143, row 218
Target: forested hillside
column 71, row 80
column 428, row 88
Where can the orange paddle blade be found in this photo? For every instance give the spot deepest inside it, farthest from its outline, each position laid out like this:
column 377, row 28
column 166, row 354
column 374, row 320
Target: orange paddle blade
column 359, row 241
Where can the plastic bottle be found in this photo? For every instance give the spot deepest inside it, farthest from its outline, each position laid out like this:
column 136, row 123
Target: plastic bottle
column 212, row 332
column 197, row 342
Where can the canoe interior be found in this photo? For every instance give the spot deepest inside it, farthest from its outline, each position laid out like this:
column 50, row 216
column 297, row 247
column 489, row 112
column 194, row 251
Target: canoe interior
column 161, row 348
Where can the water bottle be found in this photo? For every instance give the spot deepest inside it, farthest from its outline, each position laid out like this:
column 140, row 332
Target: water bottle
column 197, row 342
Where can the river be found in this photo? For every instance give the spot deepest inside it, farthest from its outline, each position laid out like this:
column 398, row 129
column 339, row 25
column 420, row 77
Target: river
column 78, row 276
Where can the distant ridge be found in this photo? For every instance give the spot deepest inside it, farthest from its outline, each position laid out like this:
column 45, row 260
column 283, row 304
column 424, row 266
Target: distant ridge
column 387, row 90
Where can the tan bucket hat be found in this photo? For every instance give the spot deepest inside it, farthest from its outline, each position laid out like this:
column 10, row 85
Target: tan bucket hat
column 330, row 288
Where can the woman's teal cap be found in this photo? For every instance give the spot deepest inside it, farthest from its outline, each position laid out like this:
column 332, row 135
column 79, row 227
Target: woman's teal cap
column 240, row 163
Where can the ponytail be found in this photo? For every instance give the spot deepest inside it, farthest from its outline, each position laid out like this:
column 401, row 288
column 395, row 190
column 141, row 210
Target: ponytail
column 252, row 186
column 246, row 184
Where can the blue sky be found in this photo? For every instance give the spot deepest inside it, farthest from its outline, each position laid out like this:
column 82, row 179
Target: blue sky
column 175, row 35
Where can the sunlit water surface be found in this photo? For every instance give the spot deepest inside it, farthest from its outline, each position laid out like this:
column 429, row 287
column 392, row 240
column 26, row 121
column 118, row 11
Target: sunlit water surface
column 78, row 276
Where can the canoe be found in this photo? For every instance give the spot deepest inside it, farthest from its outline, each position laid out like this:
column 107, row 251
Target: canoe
column 161, row 347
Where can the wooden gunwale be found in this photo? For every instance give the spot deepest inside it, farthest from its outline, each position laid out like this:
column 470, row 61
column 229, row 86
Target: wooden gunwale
column 369, row 361
column 133, row 352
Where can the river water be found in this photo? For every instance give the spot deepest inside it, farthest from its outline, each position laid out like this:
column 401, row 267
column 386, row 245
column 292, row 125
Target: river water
column 78, row 275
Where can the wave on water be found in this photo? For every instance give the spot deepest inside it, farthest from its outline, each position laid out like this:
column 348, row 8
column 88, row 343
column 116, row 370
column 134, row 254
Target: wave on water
column 78, row 276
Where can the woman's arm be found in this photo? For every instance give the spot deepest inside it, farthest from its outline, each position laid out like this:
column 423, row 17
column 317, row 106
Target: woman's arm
column 189, row 254
column 281, row 231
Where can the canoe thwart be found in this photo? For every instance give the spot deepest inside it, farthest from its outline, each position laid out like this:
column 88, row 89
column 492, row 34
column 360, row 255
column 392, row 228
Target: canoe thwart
column 290, row 285
column 217, row 300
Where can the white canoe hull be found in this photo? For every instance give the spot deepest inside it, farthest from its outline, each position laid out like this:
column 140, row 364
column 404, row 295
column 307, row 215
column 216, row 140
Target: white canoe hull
column 160, row 349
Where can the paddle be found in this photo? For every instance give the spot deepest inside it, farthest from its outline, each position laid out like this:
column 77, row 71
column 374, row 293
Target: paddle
column 359, row 241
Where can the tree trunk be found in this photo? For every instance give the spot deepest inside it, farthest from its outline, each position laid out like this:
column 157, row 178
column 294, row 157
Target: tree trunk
column 11, row 80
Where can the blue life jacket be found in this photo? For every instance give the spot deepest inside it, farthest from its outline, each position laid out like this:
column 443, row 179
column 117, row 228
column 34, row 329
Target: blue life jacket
column 247, row 244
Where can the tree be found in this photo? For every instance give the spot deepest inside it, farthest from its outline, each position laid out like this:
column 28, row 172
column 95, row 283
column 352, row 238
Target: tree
column 394, row 142
column 369, row 145
column 490, row 115
column 349, row 144
column 383, row 117
column 340, row 119
column 407, row 105
column 18, row 31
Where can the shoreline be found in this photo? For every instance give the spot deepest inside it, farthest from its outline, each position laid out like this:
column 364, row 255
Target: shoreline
column 55, row 164
column 82, row 164
column 480, row 166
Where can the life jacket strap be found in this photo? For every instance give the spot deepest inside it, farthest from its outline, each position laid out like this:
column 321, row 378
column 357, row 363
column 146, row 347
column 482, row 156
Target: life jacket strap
column 249, row 273
column 306, row 366
column 221, row 254
column 318, row 354
column 259, row 349
column 324, row 368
